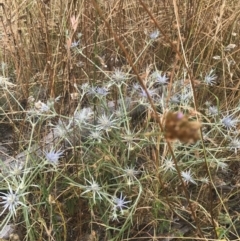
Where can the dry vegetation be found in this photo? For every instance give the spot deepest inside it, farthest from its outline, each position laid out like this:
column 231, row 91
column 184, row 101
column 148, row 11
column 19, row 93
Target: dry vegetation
column 119, row 120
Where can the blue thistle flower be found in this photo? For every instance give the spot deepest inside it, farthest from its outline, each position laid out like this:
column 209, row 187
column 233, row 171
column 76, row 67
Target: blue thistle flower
column 234, row 145
column 187, row 177
column 160, row 78
column 120, row 203
column 213, row 110
column 229, row 122
column 154, row 35
column 53, row 156
column 11, row 201
column 119, row 77
column 210, row 78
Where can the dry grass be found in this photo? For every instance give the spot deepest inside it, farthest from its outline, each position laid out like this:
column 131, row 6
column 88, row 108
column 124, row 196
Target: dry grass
column 39, row 59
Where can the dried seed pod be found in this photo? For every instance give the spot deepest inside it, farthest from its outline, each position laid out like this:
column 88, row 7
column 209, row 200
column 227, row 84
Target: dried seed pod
column 178, row 126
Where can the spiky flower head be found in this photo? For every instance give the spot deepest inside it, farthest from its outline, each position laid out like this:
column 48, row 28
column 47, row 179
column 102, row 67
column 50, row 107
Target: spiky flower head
column 175, row 99
column 94, row 188
column 168, row 165
column 213, row 110
column 53, row 156
column 204, row 180
column 120, row 203
column 154, row 35
column 220, row 163
column 151, row 91
column 119, row 77
column 210, row 78
column 131, row 172
column 84, row 115
column 107, row 123
column 62, row 129
column 102, row 91
column 234, row 145
column 16, row 168
column 187, row 177
column 75, row 44
column 11, row 201
column 229, row 122
column 96, row 136
column 159, row 78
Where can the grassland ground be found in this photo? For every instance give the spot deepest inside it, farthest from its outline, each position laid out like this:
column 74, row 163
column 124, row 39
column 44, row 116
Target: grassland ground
column 119, row 120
